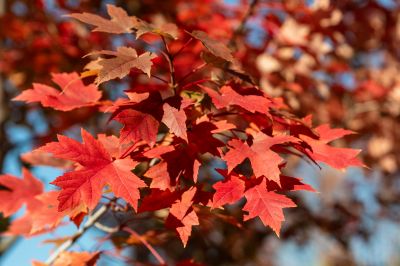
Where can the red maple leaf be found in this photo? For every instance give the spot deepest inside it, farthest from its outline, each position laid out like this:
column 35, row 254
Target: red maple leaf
column 233, row 118
column 120, row 22
column 160, row 177
column 137, row 126
column 264, row 161
column 215, row 47
column 41, row 213
column 181, row 211
column 175, row 120
column 16, row 192
column 267, row 205
column 37, row 157
column 97, row 169
column 125, row 58
column 222, row 125
column 41, row 216
column 339, row 158
column 158, row 199
column 228, row 191
column 74, row 94
column 288, row 183
column 228, row 96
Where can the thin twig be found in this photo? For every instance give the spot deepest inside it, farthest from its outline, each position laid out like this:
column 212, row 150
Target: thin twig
column 106, row 228
column 194, row 70
column 147, row 245
column 157, row 77
column 67, row 244
column 194, row 83
column 239, row 30
column 169, row 58
column 182, row 48
column 153, row 76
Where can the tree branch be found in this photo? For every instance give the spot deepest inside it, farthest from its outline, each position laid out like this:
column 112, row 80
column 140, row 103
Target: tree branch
column 67, row 244
column 182, row 48
column 168, row 56
column 147, row 245
column 239, row 30
column 194, row 70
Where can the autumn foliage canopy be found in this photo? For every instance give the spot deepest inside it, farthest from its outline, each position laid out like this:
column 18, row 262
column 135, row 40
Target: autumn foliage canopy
column 190, row 103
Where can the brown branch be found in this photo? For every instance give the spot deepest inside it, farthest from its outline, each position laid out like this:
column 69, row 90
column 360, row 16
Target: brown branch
column 159, row 78
column 183, row 47
column 239, row 30
column 194, row 70
column 146, row 244
column 168, row 56
column 67, row 244
column 195, row 83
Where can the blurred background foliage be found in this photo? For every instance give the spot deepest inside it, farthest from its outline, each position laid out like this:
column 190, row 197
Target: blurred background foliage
column 336, row 60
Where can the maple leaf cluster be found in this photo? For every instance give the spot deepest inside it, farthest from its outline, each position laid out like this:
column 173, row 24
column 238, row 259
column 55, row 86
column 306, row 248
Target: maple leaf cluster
column 170, row 129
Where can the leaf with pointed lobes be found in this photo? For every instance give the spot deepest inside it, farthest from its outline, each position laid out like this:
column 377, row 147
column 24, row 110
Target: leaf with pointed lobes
column 158, row 151
column 169, row 30
column 137, row 126
column 188, row 222
column 338, row 158
column 74, row 94
column 175, row 120
column 267, row 205
column 111, row 144
column 202, row 140
column 84, row 186
column 288, row 183
column 222, row 125
column 41, row 213
column 328, row 134
column 119, row 23
column 180, row 208
column 45, row 215
column 228, row 96
column 158, row 199
column 180, row 211
column 178, row 162
column 228, row 191
column 15, row 192
column 215, row 47
column 37, row 157
column 41, row 216
column 125, row 58
column 160, row 176
column 264, row 161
